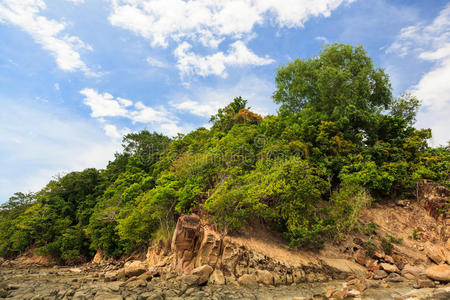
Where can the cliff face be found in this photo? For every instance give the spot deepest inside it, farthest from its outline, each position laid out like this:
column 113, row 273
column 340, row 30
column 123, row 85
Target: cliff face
column 241, row 259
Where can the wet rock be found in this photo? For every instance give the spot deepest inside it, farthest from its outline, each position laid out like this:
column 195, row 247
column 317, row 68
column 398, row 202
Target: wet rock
column 135, row 268
column 248, row 280
column 440, row 272
column 434, row 252
column 217, row 277
column 389, row 268
column 203, row 273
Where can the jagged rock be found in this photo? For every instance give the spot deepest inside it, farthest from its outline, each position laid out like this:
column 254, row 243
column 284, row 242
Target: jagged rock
column 440, row 272
column 111, row 276
column 99, row 257
column 186, row 242
column 389, row 268
column 217, row 277
column 264, row 277
column 248, row 280
column 203, row 273
column 135, row 268
column 435, row 253
column 389, row 259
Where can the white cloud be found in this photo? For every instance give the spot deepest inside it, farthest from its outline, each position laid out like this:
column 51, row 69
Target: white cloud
column 46, row 32
column 189, row 63
column 210, row 22
column 155, row 62
column 104, row 105
column 430, row 43
column 322, row 39
column 38, row 144
column 76, row 2
column 205, row 101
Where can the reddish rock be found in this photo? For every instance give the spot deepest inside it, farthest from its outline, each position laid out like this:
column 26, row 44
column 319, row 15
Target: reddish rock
column 186, row 242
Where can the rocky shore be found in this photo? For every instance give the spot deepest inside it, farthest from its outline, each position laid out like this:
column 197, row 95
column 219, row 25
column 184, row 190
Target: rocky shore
column 402, row 253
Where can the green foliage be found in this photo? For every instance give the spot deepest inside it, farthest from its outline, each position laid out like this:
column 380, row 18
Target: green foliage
column 415, row 235
column 370, row 228
column 393, row 239
column 339, row 142
column 370, row 248
column 387, row 246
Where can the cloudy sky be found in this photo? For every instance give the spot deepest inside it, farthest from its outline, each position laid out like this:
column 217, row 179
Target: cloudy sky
column 75, row 75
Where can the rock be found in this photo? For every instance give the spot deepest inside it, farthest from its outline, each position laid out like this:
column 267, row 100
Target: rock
column 186, row 242
column 136, row 283
column 105, row 296
column 353, row 293
column 80, row 295
column 413, row 270
column 217, row 277
column 360, row 257
column 424, row 283
column 389, row 259
column 189, row 280
column 3, row 294
column 372, row 284
column 379, row 274
column 340, row 295
column 203, row 273
column 389, row 268
column 440, row 272
column 378, row 254
column 394, row 277
column 135, row 268
column 434, row 252
column 99, row 257
column 111, row 276
column 248, row 280
column 447, row 244
column 264, row 277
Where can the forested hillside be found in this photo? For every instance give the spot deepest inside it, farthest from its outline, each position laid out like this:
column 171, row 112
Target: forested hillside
column 339, row 142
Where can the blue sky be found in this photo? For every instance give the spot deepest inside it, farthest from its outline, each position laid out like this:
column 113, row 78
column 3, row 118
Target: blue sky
column 75, row 75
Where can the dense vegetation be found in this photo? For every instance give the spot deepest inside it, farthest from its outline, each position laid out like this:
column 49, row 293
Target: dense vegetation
column 339, row 142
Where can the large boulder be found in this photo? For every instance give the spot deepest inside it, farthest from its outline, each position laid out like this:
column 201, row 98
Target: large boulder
column 203, row 273
column 434, row 252
column 135, row 268
column 440, row 272
column 186, row 242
